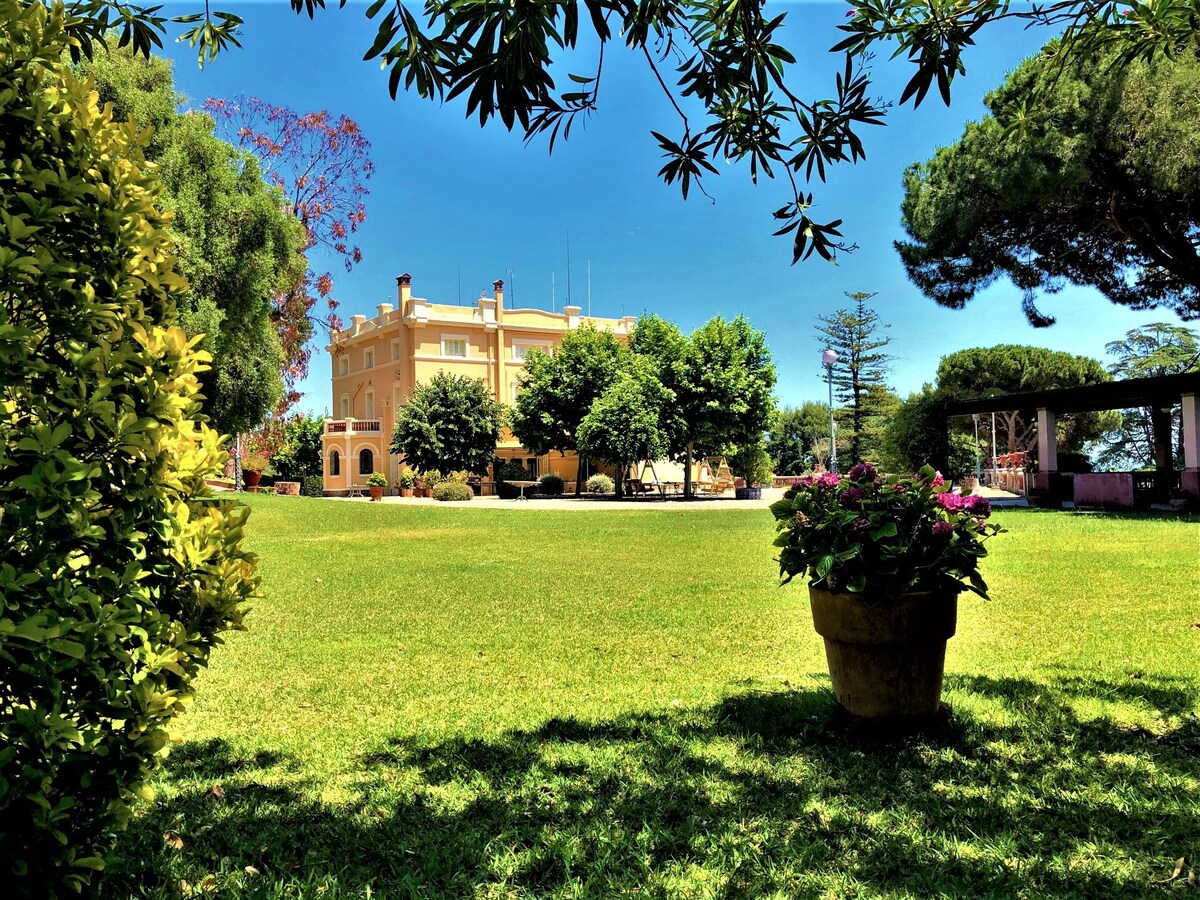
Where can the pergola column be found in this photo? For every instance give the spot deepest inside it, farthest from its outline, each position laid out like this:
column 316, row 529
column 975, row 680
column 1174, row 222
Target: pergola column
column 1047, row 440
column 1190, row 479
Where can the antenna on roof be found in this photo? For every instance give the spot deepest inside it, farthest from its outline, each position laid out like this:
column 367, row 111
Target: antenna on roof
column 512, row 286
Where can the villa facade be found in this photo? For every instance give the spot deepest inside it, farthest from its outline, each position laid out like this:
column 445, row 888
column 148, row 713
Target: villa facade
column 375, row 364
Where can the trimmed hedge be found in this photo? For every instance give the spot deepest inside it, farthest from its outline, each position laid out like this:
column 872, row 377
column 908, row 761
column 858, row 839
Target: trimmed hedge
column 314, row 486
column 452, row 491
column 550, row 485
column 119, row 569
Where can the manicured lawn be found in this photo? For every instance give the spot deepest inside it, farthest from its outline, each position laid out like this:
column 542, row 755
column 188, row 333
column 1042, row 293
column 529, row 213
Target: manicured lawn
column 454, row 702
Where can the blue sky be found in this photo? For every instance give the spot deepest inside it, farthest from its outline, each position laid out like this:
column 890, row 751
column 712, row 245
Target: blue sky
column 453, row 203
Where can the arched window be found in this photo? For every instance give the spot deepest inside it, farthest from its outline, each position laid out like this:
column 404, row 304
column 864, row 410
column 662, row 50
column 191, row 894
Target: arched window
column 366, row 461
column 335, row 464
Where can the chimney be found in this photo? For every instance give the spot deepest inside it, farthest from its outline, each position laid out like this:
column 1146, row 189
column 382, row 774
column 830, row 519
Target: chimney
column 498, row 292
column 403, row 289
column 383, row 309
column 357, row 322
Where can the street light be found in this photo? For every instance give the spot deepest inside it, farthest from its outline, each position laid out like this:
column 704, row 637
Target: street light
column 829, row 357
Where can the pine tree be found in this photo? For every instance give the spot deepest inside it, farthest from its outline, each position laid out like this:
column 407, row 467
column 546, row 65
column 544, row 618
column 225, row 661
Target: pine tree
column 854, row 335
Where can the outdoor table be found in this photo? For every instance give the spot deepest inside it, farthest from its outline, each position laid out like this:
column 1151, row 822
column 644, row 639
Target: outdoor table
column 522, row 485
column 669, row 487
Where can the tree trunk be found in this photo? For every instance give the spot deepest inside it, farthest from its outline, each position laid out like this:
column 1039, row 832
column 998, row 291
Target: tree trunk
column 619, row 481
column 580, row 472
column 687, row 473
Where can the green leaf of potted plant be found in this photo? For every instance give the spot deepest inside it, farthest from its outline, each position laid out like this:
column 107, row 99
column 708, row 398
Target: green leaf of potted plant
column 406, row 481
column 886, row 560
column 377, row 482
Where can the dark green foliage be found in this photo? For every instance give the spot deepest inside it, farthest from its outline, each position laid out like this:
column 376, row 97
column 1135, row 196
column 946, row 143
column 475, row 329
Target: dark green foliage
column 719, row 381
column 793, row 436
column 1084, row 173
column 237, row 245
column 917, row 434
column 624, row 425
column 450, row 423
column 753, row 464
column 1147, row 436
column 1012, row 369
column 299, row 457
column 859, row 375
column 453, row 491
column 557, row 391
column 964, row 455
column 314, row 486
column 550, row 485
column 1074, row 462
column 118, row 569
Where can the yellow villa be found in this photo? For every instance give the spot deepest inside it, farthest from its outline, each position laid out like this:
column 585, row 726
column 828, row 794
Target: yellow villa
column 377, row 362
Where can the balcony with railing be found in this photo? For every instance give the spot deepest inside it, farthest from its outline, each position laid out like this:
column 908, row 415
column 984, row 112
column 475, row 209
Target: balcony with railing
column 353, row 426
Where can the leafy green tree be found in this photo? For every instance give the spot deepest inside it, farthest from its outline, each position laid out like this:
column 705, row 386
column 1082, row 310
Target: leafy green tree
column 731, row 92
column 237, row 245
column 860, row 370
column 118, row 568
column 299, row 456
column 1012, row 369
column 558, row 390
column 1097, row 186
column 624, row 425
column 1146, row 436
column 794, row 434
column 917, row 434
column 450, row 424
column 722, row 381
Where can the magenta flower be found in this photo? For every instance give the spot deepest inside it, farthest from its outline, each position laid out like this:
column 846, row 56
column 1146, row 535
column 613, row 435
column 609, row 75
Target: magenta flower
column 942, row 528
column 863, row 471
column 829, row 480
column 853, row 495
column 938, row 480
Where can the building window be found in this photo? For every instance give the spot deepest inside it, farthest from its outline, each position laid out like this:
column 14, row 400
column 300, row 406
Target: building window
column 335, row 464
column 366, row 461
column 344, row 365
column 369, row 358
column 520, row 349
column 345, row 404
column 395, row 349
column 370, row 403
column 532, row 465
column 455, row 346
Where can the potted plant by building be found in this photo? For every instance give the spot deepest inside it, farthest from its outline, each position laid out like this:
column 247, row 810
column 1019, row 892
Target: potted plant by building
column 886, row 560
column 405, row 482
column 377, row 482
column 253, row 465
column 752, row 468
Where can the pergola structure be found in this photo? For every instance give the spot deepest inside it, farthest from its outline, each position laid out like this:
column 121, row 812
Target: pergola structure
column 1160, row 394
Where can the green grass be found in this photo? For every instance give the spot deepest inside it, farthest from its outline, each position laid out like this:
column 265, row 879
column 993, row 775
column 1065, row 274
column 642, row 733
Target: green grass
column 460, row 702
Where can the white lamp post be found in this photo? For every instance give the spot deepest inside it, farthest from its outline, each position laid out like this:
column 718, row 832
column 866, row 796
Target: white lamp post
column 828, row 358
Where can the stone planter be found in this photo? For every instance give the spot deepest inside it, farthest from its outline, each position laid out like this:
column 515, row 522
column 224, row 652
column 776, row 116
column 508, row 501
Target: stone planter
column 288, row 488
column 886, row 658
column 747, row 493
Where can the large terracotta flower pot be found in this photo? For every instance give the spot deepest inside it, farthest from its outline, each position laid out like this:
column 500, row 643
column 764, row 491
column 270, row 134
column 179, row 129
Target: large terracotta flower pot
column 251, row 478
column 886, row 657
column 376, row 492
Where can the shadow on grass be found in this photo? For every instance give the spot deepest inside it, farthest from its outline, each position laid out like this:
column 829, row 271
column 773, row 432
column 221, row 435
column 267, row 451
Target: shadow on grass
column 765, row 793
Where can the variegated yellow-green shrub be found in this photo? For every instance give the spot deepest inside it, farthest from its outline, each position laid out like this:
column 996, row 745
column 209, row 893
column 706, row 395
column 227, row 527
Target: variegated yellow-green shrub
column 118, row 570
